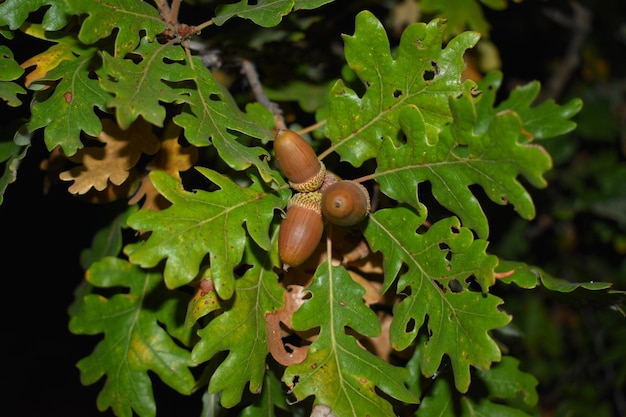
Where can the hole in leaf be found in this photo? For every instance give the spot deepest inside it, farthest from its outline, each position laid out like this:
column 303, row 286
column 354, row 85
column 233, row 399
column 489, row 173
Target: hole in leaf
column 397, row 93
column 455, row 285
column 429, row 75
column 410, row 326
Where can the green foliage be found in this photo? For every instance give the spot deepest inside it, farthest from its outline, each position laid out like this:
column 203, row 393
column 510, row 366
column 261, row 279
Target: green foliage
column 197, row 295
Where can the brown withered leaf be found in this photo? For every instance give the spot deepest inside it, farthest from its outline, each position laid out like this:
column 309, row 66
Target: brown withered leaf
column 100, row 164
column 171, row 158
column 293, row 299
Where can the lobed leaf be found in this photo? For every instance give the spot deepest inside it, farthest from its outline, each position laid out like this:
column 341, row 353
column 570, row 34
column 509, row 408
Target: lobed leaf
column 13, row 13
column 266, row 13
column 134, row 342
column 423, row 76
column 462, row 15
column 68, row 110
column 441, row 263
column 127, row 20
column 460, row 158
column 211, row 116
column 340, row 373
column 9, row 71
column 241, row 330
column 140, row 88
column 200, row 223
column 542, row 121
column 11, row 155
column 503, row 389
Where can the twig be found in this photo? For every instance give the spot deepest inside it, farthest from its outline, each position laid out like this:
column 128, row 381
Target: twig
column 174, row 11
column 580, row 25
column 248, row 69
column 164, row 9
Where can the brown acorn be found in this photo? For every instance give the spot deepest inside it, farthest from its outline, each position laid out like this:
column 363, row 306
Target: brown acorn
column 345, row 203
column 297, row 160
column 301, row 230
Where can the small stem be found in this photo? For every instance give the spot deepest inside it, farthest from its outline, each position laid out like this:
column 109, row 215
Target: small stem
column 326, row 153
column 365, row 178
column 204, row 25
column 251, row 74
column 312, row 127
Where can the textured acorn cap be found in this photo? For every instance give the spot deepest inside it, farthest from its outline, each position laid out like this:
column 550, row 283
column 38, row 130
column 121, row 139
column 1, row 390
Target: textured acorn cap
column 313, row 183
column 311, row 201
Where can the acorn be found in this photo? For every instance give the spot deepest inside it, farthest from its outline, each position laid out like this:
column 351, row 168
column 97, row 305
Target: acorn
column 345, row 203
column 301, row 230
column 298, row 162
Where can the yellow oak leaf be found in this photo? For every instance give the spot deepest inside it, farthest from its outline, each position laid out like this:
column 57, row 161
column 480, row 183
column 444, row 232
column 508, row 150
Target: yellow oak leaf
column 100, row 164
column 50, row 58
column 171, row 158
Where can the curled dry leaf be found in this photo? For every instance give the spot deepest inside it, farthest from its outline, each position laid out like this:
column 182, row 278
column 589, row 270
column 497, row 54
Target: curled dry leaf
column 293, row 300
column 100, row 166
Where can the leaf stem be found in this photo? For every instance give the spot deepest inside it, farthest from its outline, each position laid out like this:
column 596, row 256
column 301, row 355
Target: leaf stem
column 204, row 25
column 365, row 178
column 312, row 127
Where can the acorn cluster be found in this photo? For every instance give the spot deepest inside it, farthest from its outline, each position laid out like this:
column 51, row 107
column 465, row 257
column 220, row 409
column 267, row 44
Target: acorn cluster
column 320, row 197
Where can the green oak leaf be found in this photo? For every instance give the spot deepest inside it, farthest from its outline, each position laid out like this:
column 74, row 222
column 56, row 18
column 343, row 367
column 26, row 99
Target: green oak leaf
column 460, row 158
column 542, row 121
column 241, row 329
column 529, row 276
column 126, row 19
column 212, row 115
column 69, row 109
column 506, row 381
column 139, row 89
column 341, row 374
column 422, row 75
column 13, row 13
column 11, row 155
column 9, row 71
column 503, row 389
column 265, row 13
column 137, row 340
column 200, row 223
column 441, row 263
column 462, row 14
column 272, row 397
